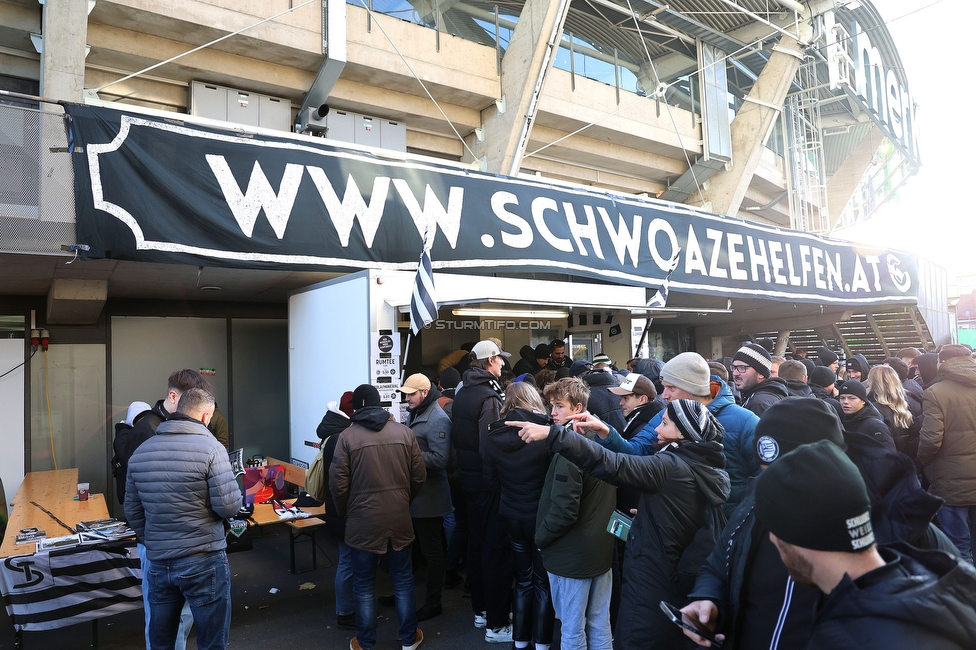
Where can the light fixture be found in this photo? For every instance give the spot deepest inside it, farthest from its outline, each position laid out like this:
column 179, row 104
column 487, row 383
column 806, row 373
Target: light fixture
column 509, row 313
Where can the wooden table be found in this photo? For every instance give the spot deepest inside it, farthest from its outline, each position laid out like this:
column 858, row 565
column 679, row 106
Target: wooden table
column 264, row 515
column 46, row 578
column 55, row 490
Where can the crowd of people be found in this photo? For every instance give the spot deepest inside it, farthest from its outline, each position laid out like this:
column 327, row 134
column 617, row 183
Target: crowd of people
column 756, row 501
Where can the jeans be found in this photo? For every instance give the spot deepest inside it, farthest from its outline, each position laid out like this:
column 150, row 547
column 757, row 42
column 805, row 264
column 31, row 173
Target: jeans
column 186, row 618
column 533, row 617
column 959, row 525
column 364, row 586
column 428, row 532
column 583, row 608
column 203, row 581
column 345, row 602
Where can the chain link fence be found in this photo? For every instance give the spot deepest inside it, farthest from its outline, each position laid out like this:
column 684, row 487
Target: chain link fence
column 37, row 206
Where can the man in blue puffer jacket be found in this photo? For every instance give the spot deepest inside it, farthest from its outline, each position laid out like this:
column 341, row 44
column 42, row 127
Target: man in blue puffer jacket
column 180, row 489
column 686, row 376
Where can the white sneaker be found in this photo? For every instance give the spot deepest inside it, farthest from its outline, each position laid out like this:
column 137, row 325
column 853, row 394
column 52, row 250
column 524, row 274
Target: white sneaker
column 481, row 620
column 499, row 635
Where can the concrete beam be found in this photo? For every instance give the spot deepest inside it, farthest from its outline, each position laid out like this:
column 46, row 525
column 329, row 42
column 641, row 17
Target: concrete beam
column 638, row 122
column 417, row 111
column 438, row 145
column 588, row 176
column 841, row 186
column 461, row 72
column 292, row 39
column 581, row 149
column 751, row 127
column 75, row 302
column 124, row 49
column 764, row 325
column 20, row 17
column 65, row 30
column 528, row 59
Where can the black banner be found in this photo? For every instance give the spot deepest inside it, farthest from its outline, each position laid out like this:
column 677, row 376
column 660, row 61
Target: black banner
column 158, row 189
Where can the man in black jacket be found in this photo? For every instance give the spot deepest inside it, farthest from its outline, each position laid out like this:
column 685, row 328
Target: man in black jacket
column 751, row 369
column 858, row 368
column 558, row 358
column 794, row 374
column 333, row 423
column 860, row 415
column 476, row 405
column 816, row 507
column 743, row 590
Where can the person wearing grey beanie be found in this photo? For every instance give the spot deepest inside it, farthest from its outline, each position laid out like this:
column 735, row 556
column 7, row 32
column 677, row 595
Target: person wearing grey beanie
column 689, row 374
column 686, row 376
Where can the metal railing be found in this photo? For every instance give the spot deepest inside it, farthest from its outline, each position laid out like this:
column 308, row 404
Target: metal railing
column 37, row 207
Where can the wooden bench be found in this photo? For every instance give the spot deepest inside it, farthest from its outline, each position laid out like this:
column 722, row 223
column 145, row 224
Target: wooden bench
column 297, row 528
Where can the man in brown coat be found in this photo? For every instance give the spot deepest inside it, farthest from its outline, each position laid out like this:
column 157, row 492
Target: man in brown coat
column 947, row 444
column 376, row 471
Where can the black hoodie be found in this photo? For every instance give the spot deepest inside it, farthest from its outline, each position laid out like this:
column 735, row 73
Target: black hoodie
column 859, row 362
column 602, row 403
column 373, row 418
column 869, row 421
column 527, row 364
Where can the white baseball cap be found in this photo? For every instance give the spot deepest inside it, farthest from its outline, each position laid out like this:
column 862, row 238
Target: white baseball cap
column 488, row 349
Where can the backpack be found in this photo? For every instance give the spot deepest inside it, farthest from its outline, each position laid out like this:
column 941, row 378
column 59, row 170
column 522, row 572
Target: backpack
column 317, row 478
column 127, row 440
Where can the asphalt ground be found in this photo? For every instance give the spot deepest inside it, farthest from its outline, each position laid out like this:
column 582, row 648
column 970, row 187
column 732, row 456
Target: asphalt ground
column 292, row 619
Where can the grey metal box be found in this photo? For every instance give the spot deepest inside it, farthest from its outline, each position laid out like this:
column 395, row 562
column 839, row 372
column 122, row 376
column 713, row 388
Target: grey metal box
column 393, row 135
column 208, row 100
column 243, row 108
column 275, row 113
column 368, row 130
column 342, row 125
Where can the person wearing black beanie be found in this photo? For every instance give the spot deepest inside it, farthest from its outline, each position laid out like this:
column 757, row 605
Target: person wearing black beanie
column 862, row 416
column 788, row 424
column 816, row 507
column 828, row 358
column 377, row 455
column 751, row 369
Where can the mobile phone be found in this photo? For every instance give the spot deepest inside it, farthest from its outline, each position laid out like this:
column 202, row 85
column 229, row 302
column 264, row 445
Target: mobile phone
column 689, row 624
column 619, row 525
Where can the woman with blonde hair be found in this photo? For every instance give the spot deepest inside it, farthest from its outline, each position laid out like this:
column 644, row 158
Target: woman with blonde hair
column 521, row 471
column 888, row 396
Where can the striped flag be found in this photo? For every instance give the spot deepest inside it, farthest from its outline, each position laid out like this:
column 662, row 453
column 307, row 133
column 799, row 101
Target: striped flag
column 423, row 306
column 660, row 297
column 48, row 590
